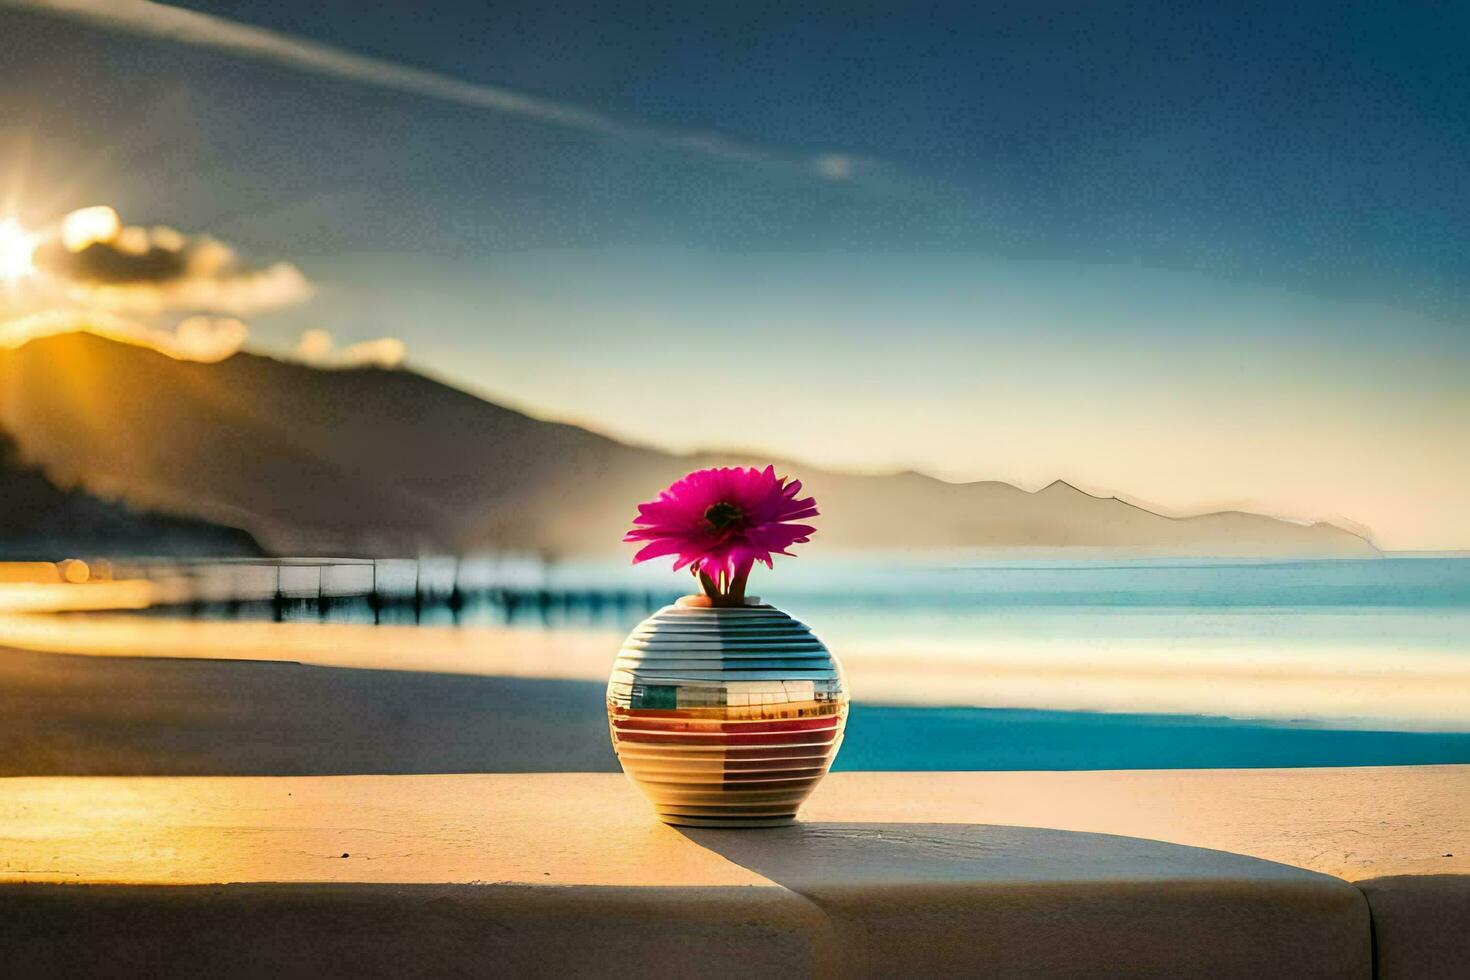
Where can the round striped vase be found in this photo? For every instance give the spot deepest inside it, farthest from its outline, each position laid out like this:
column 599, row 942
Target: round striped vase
column 725, row 716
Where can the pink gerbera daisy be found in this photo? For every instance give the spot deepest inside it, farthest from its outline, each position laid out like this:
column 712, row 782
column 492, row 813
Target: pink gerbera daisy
column 720, row 522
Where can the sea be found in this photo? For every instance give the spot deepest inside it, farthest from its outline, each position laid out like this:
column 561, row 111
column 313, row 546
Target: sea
column 1077, row 662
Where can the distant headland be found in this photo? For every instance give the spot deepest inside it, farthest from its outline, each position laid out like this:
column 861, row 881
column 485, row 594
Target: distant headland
column 378, row 461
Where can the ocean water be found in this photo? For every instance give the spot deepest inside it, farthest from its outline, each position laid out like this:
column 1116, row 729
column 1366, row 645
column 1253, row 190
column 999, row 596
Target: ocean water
column 1073, row 663
column 1097, row 664
column 1398, row 601
column 929, row 608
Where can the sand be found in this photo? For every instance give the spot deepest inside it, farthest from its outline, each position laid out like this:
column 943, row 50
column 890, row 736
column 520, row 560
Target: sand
column 1409, row 690
column 64, row 714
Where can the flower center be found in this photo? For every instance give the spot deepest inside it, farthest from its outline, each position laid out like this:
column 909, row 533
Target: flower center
column 723, row 516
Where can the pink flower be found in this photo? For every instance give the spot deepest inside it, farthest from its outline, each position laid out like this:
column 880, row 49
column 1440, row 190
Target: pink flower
column 720, row 522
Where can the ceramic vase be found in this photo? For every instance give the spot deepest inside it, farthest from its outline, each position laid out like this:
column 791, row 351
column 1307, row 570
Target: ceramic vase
column 725, row 716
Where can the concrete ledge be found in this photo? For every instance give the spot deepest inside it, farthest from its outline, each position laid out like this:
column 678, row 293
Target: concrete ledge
column 345, row 930
column 946, row 899
column 1224, row 874
column 1215, row 929
column 1421, row 925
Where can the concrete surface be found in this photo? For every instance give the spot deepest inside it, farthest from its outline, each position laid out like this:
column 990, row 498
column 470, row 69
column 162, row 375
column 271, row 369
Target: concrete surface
column 1167, row 873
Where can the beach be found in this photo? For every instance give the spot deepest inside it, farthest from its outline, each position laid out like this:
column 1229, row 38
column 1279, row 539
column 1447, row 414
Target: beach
column 111, row 694
column 1032, row 665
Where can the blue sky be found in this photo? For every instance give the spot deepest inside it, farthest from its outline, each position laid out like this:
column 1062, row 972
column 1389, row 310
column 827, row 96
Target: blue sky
column 1197, row 257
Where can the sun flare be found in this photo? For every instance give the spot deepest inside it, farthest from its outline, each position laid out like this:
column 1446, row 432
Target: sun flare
column 17, row 251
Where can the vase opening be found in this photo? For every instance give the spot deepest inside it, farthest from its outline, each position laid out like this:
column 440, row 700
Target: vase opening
column 698, row 601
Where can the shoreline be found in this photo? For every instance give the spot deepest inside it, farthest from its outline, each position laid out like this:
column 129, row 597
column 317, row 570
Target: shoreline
column 1367, row 688
column 64, row 714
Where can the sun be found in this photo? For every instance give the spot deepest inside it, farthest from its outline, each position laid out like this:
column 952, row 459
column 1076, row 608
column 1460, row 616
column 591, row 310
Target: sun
column 17, row 251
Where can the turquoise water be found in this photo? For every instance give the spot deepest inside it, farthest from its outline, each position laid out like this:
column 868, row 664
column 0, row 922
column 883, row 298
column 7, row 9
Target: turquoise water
column 1416, row 603
column 1352, row 645
column 1072, row 664
column 954, row 582
column 1412, row 603
column 1144, row 663
column 885, row 737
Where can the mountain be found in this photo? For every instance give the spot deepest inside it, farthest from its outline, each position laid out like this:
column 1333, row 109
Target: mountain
column 39, row 520
column 369, row 460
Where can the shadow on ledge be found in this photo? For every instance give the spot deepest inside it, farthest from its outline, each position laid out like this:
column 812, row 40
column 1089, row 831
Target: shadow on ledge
column 956, row 899
column 1419, row 925
column 861, row 900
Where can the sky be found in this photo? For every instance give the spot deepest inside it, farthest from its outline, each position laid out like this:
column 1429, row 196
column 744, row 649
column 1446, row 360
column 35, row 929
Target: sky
column 1196, row 258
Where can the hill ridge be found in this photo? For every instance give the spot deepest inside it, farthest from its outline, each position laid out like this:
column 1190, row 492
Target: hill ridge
column 374, row 460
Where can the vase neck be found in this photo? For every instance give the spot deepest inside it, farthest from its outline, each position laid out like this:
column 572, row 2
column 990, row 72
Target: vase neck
column 705, row 602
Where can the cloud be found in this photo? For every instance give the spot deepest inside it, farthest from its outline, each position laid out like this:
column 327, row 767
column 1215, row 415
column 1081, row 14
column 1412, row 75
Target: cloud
column 103, row 264
column 836, row 166
column 182, row 295
column 195, row 338
column 205, row 30
column 317, row 348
